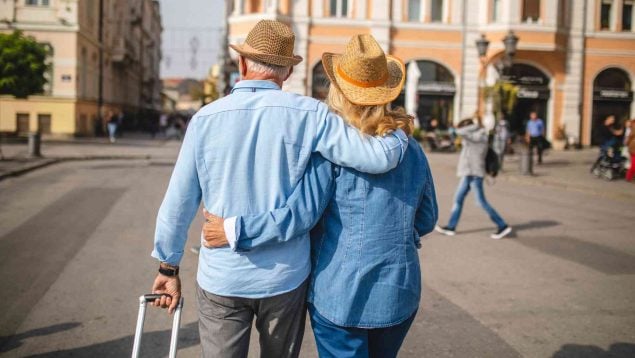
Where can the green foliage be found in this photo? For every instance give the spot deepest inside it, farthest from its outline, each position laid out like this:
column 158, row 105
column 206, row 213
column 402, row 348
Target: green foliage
column 22, row 65
column 504, row 96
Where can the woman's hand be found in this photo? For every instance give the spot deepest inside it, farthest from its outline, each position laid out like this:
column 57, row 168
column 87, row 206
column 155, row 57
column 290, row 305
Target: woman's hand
column 214, row 231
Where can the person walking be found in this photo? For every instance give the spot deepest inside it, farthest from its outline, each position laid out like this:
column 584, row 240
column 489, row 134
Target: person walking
column 112, row 127
column 471, row 170
column 630, row 143
column 365, row 284
column 245, row 153
column 501, row 137
column 535, row 135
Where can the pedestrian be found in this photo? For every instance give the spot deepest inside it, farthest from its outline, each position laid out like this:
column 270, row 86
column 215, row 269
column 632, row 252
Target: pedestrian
column 245, row 153
column 535, row 135
column 608, row 136
column 163, row 123
column 112, row 127
column 471, row 170
column 501, row 138
column 630, row 143
column 362, row 301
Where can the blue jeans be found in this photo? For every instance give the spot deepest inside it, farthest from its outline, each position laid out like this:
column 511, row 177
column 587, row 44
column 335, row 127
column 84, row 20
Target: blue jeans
column 335, row 341
column 461, row 192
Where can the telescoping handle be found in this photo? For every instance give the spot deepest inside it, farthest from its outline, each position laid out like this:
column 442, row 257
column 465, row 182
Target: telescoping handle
column 176, row 324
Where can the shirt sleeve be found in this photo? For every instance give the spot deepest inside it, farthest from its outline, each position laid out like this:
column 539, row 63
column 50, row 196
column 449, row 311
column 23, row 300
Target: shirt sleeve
column 300, row 213
column 428, row 211
column 346, row 146
column 180, row 203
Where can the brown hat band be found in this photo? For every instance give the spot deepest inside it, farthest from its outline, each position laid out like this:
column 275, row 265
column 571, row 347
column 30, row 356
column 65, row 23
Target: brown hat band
column 362, row 84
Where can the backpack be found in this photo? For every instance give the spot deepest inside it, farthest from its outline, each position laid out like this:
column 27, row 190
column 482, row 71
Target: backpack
column 492, row 165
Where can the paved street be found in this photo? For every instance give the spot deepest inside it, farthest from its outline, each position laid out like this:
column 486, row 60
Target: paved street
column 75, row 239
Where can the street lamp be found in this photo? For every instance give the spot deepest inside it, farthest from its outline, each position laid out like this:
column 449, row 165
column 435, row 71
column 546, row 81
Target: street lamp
column 510, row 41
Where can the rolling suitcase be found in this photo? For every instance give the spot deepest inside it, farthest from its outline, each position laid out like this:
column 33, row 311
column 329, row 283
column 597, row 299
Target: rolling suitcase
column 176, row 324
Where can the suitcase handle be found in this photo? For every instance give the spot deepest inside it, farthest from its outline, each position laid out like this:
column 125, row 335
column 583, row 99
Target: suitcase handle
column 150, row 297
column 176, row 323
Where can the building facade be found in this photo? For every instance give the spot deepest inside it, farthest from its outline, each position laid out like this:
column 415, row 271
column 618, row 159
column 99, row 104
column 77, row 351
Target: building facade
column 104, row 54
column 574, row 64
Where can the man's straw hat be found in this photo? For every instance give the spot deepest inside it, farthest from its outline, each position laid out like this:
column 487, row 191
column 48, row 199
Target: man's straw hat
column 364, row 74
column 269, row 42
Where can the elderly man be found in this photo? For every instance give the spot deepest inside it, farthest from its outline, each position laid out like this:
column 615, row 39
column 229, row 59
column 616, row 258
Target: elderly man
column 245, row 154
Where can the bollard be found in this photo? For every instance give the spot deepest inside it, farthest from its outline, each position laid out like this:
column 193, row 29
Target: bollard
column 34, row 144
column 526, row 161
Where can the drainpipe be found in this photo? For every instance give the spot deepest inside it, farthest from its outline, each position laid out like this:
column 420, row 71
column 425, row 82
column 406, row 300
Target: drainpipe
column 100, row 89
column 463, row 51
column 582, row 78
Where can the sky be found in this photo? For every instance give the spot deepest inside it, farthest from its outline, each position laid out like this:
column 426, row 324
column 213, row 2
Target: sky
column 191, row 37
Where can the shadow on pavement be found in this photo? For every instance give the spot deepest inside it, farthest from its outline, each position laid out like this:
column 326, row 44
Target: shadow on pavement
column 154, row 344
column 597, row 257
column 15, row 341
column 616, row 350
column 531, row 225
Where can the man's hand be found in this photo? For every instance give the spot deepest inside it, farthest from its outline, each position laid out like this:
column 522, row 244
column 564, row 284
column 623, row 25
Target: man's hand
column 170, row 286
column 214, row 231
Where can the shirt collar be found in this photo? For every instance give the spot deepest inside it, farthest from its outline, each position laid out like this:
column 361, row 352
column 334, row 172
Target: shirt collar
column 254, row 85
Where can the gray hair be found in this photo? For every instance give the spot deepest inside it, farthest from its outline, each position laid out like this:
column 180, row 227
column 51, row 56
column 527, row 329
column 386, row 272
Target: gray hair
column 279, row 72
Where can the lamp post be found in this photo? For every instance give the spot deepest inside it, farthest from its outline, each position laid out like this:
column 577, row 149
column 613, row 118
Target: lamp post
column 502, row 67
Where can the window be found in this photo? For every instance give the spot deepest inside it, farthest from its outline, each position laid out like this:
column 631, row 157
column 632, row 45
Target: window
column 605, row 14
column 44, row 123
column 531, row 10
column 436, row 10
column 414, row 10
column 338, row 8
column 37, row 2
column 497, row 9
column 627, row 15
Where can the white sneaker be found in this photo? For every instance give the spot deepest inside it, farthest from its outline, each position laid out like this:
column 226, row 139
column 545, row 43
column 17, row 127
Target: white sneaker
column 502, row 233
column 445, row 230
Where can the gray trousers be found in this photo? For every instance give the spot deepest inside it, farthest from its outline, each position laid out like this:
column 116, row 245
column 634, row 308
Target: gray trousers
column 225, row 324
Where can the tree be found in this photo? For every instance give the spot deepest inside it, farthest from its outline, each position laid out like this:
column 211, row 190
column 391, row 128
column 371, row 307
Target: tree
column 22, row 65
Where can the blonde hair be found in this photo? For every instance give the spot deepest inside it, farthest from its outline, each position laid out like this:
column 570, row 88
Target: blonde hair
column 377, row 119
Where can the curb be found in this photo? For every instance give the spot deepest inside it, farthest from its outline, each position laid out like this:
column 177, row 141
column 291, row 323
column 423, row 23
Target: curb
column 50, row 161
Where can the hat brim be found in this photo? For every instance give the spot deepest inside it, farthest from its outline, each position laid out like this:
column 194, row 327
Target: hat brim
column 267, row 58
column 381, row 94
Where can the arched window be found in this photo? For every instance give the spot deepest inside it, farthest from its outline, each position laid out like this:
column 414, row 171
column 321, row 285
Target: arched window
column 613, row 78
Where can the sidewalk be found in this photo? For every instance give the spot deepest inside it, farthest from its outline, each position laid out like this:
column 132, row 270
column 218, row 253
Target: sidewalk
column 569, row 170
column 133, row 146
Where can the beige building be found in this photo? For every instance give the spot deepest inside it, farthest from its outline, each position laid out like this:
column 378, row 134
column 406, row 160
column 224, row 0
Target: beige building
column 128, row 65
column 574, row 65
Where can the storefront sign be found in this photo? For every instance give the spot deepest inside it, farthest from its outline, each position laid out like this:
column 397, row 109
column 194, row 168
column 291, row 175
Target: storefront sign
column 533, row 93
column 612, row 95
column 437, row 88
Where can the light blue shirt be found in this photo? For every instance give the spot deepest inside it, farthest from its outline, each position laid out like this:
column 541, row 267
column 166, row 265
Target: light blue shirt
column 364, row 249
column 244, row 154
column 535, row 128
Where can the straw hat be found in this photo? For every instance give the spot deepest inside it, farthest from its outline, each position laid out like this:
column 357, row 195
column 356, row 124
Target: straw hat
column 363, row 73
column 270, row 42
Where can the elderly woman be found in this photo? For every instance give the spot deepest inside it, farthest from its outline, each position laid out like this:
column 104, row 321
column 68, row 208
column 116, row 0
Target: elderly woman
column 365, row 284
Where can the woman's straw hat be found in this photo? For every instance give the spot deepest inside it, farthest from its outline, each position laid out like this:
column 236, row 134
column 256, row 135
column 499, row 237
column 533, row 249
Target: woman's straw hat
column 270, row 42
column 364, row 74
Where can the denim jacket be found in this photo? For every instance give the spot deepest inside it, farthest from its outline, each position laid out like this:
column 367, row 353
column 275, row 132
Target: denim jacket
column 365, row 266
column 245, row 153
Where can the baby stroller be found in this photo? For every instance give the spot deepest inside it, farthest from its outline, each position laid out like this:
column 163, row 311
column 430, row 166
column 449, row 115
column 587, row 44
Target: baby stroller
column 609, row 166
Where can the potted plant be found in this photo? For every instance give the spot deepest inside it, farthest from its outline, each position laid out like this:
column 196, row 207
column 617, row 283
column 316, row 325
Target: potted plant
column 560, row 138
